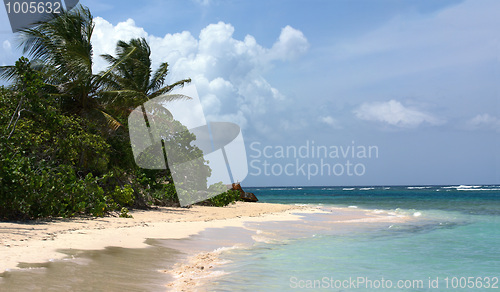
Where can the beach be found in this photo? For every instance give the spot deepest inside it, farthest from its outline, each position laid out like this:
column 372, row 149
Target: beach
column 43, row 241
column 298, row 237
column 38, row 241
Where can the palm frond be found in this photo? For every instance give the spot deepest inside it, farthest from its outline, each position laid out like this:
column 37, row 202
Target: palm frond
column 112, row 123
column 166, row 89
column 108, row 58
column 159, row 77
column 8, row 73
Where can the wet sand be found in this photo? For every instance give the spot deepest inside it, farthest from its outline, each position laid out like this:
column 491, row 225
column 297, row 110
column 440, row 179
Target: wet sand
column 205, row 263
column 177, row 246
column 40, row 241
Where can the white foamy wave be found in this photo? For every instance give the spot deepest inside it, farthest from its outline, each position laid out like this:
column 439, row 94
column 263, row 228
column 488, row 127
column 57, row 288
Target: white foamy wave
column 226, row 248
column 461, row 187
column 348, row 189
column 366, row 189
column 467, row 187
column 472, row 188
column 417, row 214
column 482, row 189
column 353, row 207
column 417, row 188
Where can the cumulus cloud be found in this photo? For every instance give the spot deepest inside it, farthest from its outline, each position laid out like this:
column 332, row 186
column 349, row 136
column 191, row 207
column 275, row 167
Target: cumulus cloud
column 485, row 122
column 6, row 46
column 395, row 114
column 291, row 44
column 7, row 57
column 330, row 121
column 106, row 35
column 228, row 72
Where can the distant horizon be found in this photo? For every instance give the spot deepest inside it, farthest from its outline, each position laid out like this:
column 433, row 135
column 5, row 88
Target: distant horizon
column 375, row 186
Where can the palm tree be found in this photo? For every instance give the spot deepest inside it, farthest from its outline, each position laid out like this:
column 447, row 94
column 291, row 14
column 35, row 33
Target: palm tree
column 62, row 51
column 132, row 81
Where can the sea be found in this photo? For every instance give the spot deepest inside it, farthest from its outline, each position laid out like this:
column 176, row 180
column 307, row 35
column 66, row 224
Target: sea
column 443, row 238
column 451, row 243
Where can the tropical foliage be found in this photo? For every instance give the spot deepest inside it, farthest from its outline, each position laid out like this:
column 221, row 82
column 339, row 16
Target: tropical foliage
column 64, row 144
column 132, row 82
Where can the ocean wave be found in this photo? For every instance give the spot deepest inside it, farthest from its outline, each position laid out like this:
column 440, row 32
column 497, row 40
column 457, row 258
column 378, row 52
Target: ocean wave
column 481, row 189
column 366, row 189
column 471, row 188
column 226, row 248
column 468, row 187
column 348, row 189
column 417, row 188
column 461, row 187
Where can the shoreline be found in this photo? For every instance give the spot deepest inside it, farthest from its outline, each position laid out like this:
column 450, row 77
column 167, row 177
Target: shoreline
column 201, row 233
column 199, row 267
column 40, row 241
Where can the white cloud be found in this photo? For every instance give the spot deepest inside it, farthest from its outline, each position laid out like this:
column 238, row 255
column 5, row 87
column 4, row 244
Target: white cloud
column 6, row 46
column 8, row 54
column 484, row 121
column 105, row 37
column 330, row 121
column 395, row 114
column 228, row 73
column 291, row 44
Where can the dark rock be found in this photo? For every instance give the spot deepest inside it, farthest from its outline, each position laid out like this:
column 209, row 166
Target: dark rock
column 247, row 197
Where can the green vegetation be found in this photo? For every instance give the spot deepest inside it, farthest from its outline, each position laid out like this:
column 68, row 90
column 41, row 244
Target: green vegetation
column 224, row 198
column 64, row 143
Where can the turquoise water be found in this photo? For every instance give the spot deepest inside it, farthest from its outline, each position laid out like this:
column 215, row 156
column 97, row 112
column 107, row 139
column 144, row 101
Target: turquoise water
column 453, row 244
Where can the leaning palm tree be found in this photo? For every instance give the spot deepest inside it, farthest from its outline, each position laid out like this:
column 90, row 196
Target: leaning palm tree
column 133, row 82
column 62, row 50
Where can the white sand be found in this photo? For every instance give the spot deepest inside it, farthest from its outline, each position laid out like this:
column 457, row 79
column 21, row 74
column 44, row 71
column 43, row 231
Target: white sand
column 38, row 241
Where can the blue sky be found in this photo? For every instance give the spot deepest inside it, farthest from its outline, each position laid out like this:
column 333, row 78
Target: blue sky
column 417, row 79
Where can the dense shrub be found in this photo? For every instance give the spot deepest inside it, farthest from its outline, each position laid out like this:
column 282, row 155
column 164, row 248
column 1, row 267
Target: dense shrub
column 56, row 163
column 50, row 162
column 224, row 199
